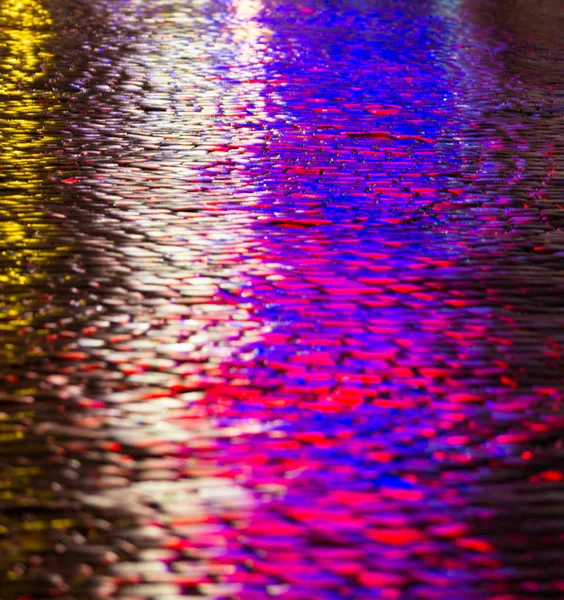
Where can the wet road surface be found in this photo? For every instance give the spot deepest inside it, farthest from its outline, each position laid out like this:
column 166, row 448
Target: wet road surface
column 281, row 299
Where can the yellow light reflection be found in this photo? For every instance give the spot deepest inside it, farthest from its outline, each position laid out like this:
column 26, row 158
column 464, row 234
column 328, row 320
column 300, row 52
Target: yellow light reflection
column 24, row 243
column 24, row 33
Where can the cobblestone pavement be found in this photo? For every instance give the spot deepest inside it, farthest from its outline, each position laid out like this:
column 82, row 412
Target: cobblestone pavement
column 281, row 299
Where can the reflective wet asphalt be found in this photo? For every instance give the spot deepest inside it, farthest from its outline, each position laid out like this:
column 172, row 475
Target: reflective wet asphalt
column 281, row 299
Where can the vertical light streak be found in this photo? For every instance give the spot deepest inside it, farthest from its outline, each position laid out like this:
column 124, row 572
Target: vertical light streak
column 203, row 124
column 24, row 31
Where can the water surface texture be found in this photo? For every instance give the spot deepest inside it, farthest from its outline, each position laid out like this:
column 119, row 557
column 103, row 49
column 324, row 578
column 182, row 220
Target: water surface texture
column 281, row 299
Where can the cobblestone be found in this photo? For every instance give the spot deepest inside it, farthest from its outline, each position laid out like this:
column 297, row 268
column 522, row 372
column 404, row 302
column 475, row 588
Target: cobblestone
column 281, row 299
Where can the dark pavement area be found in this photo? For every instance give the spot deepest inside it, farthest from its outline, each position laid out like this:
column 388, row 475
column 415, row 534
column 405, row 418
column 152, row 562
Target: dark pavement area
column 281, row 299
